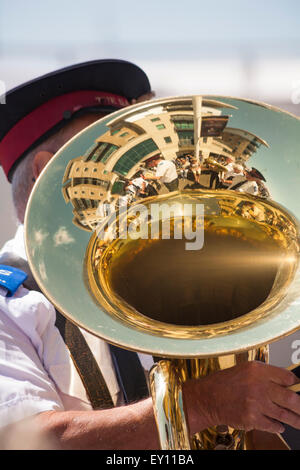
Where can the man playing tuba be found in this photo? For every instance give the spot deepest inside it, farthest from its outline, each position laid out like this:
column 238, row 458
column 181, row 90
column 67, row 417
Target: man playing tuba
column 39, row 385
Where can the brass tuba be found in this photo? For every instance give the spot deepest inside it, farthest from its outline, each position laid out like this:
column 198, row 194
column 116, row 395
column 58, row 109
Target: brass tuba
column 182, row 241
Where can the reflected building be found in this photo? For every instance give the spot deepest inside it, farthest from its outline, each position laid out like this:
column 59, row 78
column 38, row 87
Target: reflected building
column 234, row 143
column 170, row 128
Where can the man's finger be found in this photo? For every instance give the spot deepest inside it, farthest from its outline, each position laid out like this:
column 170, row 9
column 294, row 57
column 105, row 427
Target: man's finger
column 267, row 424
column 284, row 416
column 281, row 376
column 286, row 399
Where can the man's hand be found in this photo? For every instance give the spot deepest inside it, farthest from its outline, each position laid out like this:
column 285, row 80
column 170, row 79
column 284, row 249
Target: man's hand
column 248, row 396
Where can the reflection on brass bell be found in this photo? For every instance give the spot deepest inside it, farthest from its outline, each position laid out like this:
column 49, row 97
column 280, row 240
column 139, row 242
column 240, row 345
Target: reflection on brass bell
column 224, row 440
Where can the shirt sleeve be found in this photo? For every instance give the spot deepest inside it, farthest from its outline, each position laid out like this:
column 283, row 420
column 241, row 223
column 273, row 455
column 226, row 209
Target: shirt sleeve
column 25, row 385
column 160, row 170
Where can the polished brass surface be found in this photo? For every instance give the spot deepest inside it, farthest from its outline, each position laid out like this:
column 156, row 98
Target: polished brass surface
column 203, row 309
column 240, row 274
column 166, row 379
column 165, row 385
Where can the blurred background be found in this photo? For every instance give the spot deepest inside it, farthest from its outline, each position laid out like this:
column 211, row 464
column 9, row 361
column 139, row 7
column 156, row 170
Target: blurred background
column 240, row 48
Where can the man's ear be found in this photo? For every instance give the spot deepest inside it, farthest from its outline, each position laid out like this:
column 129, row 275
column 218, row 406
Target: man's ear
column 40, row 160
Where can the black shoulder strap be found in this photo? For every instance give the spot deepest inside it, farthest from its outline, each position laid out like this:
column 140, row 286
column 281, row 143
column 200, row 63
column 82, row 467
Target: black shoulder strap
column 238, row 185
column 128, row 367
column 131, row 375
column 85, row 363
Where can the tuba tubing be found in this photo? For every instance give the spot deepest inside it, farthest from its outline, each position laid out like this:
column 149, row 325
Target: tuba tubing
column 166, row 390
column 166, row 378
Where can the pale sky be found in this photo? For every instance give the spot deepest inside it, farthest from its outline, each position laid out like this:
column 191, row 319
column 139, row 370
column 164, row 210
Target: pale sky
column 159, row 22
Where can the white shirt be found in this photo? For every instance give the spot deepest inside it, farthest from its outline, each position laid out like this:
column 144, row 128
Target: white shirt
column 166, row 171
column 140, row 182
column 36, row 371
column 233, row 173
column 229, row 168
column 247, row 187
